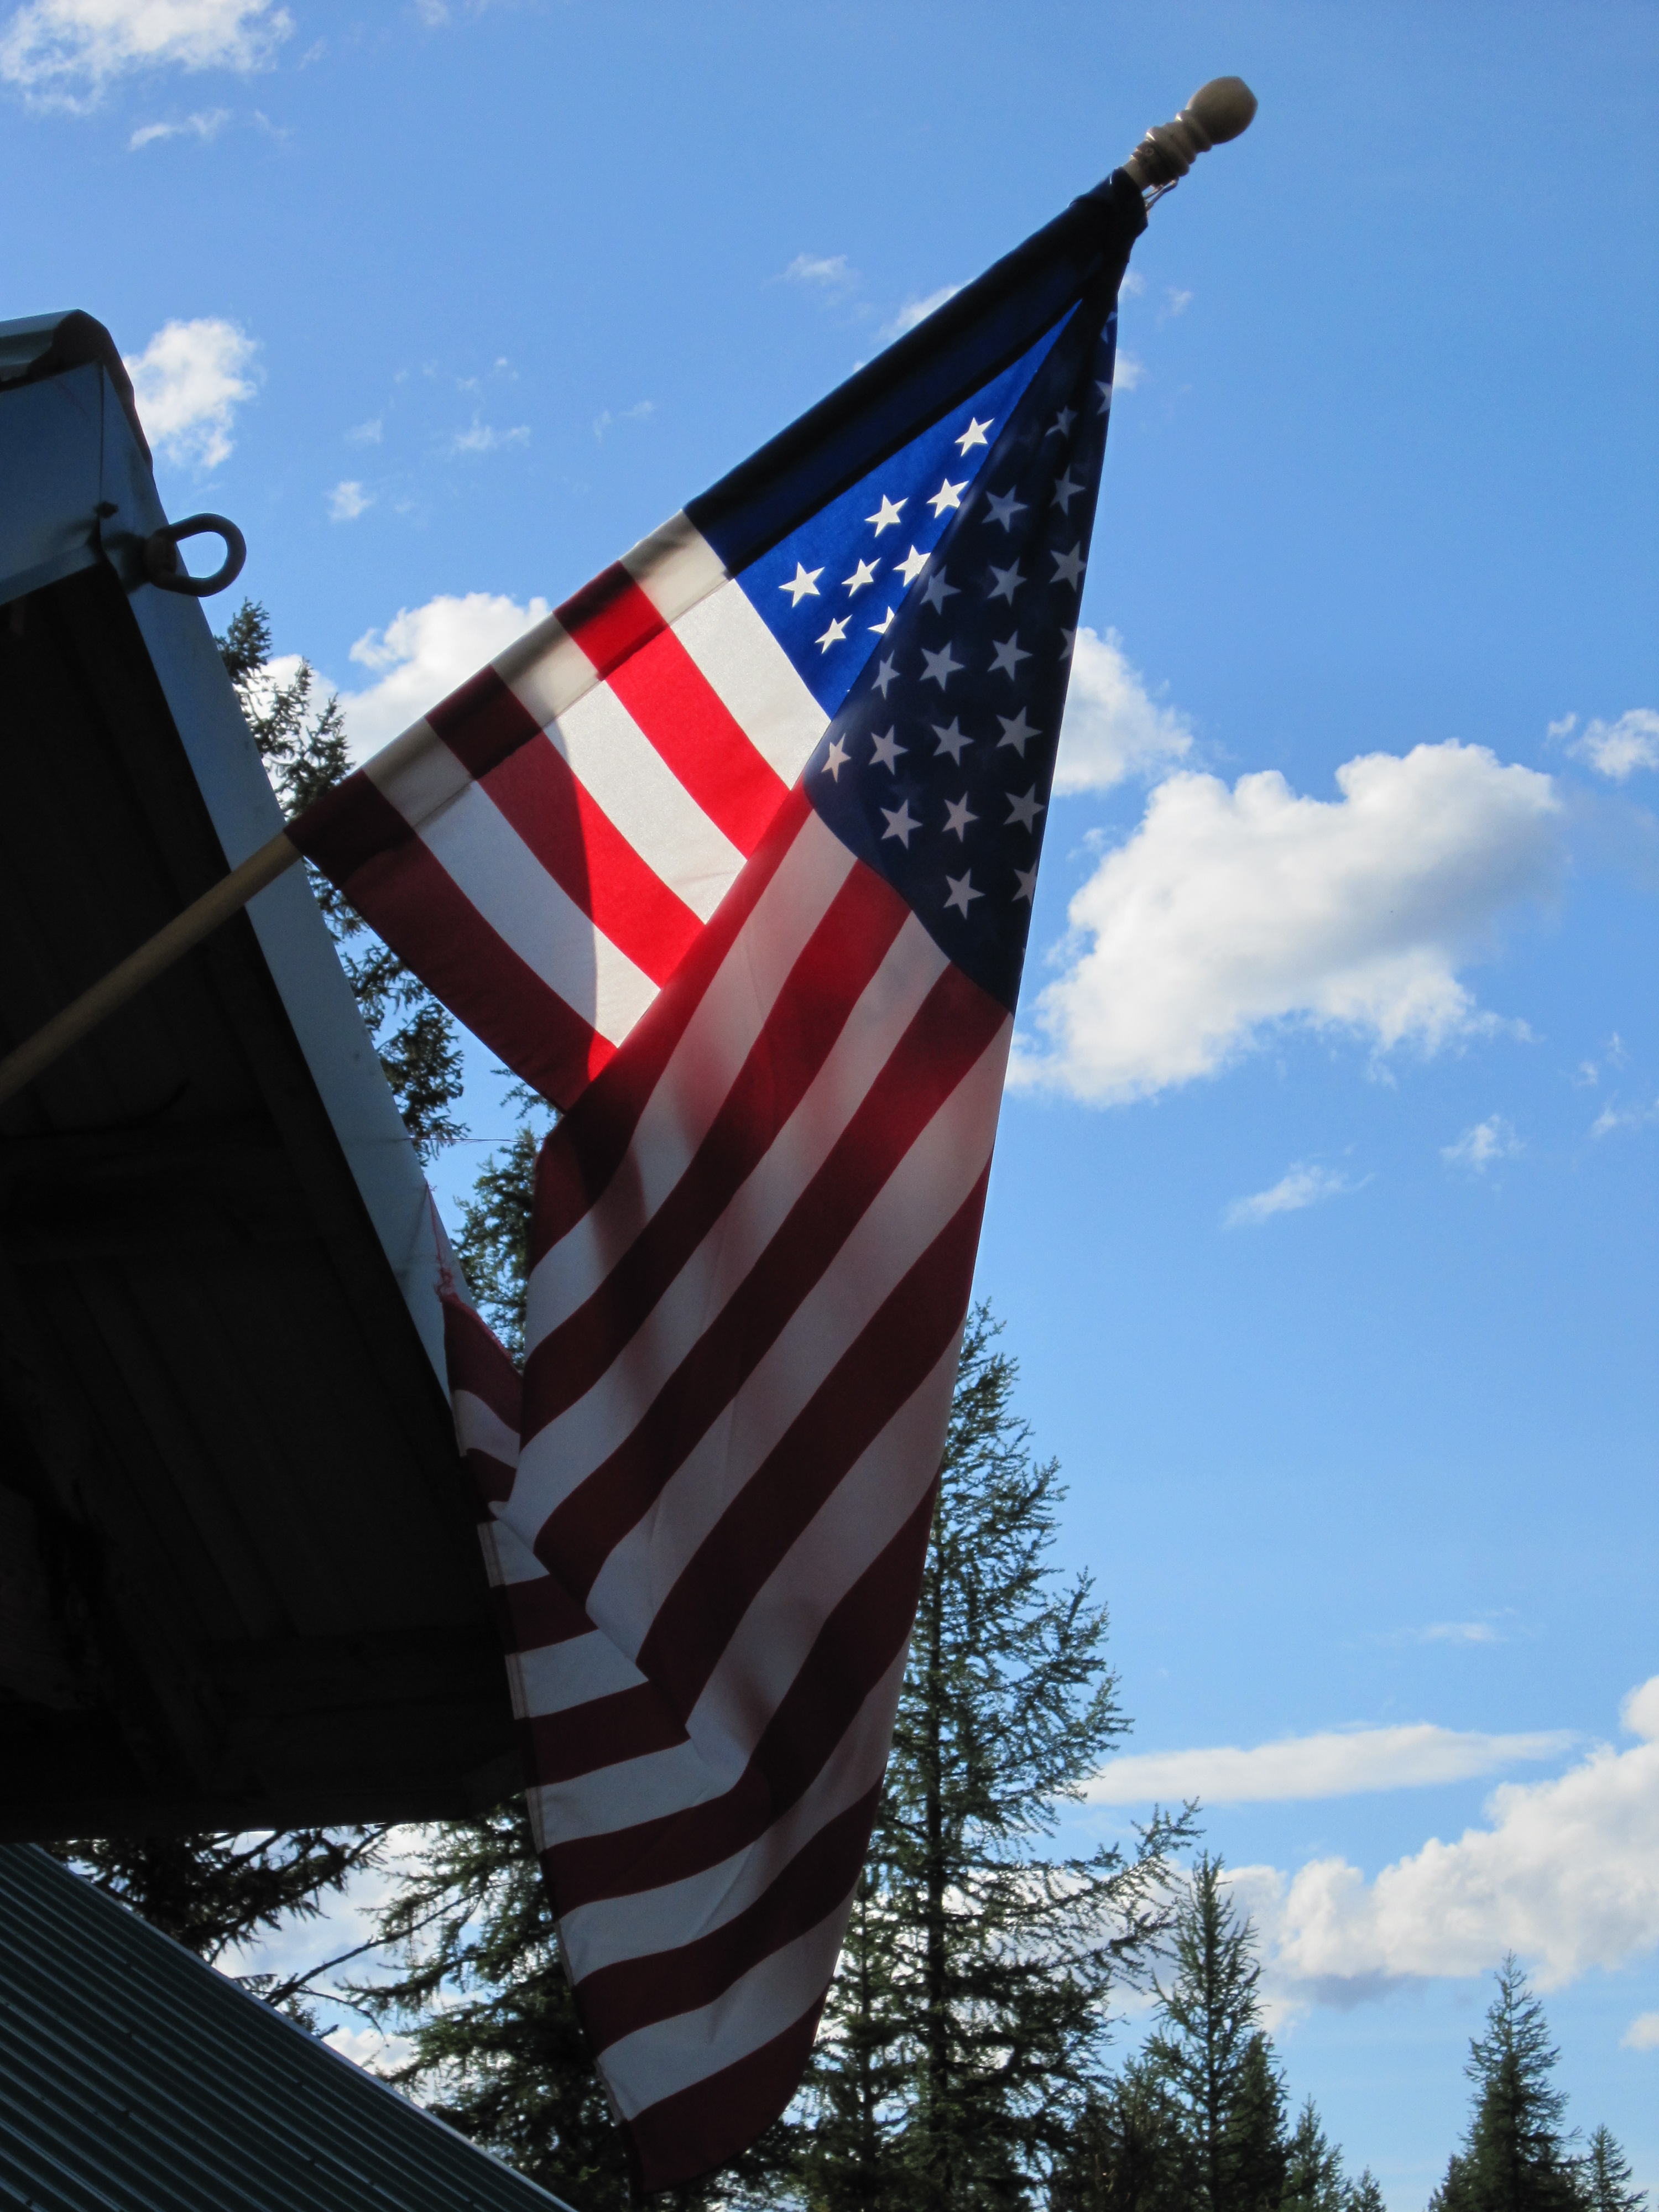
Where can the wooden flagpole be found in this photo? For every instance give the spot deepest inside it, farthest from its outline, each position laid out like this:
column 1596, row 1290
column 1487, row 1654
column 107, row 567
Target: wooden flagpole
column 1216, row 112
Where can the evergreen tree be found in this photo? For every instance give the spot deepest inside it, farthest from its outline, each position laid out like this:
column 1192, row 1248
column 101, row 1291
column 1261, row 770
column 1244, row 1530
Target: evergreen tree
column 1605, row 2182
column 1211, row 2054
column 1514, row 2157
column 981, row 1976
column 494, row 1243
column 1127, row 2153
column 1253, row 2146
column 212, row 1892
column 1456, row 2193
column 496, row 2048
column 1366, row 2194
column 302, row 742
column 1313, row 2169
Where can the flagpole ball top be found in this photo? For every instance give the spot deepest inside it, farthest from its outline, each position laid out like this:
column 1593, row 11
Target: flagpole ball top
column 1216, row 112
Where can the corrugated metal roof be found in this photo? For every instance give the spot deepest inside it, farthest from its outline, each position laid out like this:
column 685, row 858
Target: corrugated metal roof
column 135, row 2079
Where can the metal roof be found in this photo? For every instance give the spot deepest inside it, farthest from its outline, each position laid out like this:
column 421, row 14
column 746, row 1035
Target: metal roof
column 240, row 1580
column 135, row 2078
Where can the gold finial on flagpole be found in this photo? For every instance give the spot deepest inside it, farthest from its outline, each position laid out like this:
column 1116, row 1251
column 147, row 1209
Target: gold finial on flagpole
column 1216, row 112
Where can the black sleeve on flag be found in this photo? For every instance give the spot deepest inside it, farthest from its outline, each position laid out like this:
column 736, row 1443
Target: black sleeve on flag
column 940, row 364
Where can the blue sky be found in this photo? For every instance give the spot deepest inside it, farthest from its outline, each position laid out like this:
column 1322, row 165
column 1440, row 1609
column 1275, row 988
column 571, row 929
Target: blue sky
column 1323, row 1222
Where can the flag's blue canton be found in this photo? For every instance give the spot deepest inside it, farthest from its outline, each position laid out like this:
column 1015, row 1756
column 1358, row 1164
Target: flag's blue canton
column 828, row 591
column 937, row 770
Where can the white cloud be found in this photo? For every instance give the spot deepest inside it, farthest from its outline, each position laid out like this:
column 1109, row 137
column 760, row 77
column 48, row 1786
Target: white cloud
column 832, row 272
column 1229, row 913
column 1133, row 283
column 1566, row 1872
column 1612, row 1117
column 366, row 434
column 1114, row 727
column 1175, row 303
column 1615, row 748
column 913, row 311
column 208, row 125
column 190, row 379
column 1643, row 2033
column 421, row 656
column 1337, row 1763
column 347, row 501
column 368, row 2048
column 1302, row 1185
column 66, row 53
column 638, row 413
column 483, row 438
column 1494, row 1138
column 1458, row 1631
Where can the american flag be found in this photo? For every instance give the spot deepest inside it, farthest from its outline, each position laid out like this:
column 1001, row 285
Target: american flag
column 734, row 858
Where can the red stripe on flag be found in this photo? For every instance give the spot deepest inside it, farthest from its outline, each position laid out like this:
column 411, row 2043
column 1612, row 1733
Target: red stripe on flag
column 579, row 846
column 611, row 618
column 702, row 2126
column 349, row 828
column 626, row 1724
column 541, row 1613
column 952, row 1027
column 894, row 1353
column 853, row 1649
column 696, row 733
column 479, row 1362
column 810, row 1012
column 422, row 914
column 483, row 723
column 636, row 1993
column 579, row 1157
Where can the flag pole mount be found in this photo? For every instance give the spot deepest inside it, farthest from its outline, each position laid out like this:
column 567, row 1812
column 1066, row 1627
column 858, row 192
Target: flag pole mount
column 1216, row 112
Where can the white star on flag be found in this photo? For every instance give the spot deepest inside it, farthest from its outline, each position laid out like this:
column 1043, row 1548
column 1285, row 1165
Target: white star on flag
column 1018, row 732
column 1069, row 566
column 899, row 823
column 803, row 585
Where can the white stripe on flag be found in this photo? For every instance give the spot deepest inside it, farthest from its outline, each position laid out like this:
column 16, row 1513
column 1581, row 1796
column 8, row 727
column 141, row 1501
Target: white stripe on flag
column 699, row 1075
column 672, row 2054
column 718, row 1268
column 860, row 1518
column 930, row 1183
column 759, row 684
column 501, row 878
column 555, row 1677
column 676, row 1912
column 616, row 763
